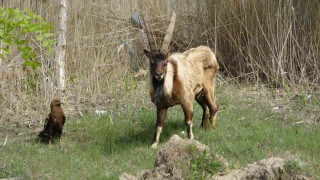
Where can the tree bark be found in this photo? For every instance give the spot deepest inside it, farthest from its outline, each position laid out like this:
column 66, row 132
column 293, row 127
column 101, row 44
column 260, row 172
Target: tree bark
column 61, row 47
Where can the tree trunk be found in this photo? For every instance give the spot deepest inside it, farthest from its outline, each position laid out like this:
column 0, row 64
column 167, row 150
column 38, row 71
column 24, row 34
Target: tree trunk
column 61, row 47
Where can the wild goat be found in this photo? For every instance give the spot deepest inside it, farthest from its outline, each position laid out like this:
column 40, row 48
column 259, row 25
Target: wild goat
column 179, row 79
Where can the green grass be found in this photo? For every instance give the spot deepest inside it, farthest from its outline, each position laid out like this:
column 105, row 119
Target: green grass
column 98, row 147
column 201, row 166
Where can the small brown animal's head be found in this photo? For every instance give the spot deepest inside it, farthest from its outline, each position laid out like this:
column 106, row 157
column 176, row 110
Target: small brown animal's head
column 158, row 64
column 159, row 58
column 56, row 103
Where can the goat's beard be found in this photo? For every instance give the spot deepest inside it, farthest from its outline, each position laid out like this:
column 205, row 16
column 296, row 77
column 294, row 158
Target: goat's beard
column 157, row 86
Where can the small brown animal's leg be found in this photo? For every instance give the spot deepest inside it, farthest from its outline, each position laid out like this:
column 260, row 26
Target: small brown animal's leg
column 60, row 133
column 161, row 116
column 49, row 132
column 188, row 113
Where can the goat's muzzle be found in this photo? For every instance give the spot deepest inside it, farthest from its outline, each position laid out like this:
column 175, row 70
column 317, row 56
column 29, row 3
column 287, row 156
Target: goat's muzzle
column 159, row 76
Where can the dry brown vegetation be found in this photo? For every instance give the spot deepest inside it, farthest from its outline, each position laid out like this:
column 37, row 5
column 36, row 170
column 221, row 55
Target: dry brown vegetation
column 275, row 42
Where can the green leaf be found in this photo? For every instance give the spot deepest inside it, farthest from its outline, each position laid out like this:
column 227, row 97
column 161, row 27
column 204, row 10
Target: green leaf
column 45, row 44
column 33, row 64
column 47, row 26
column 7, row 42
column 25, row 55
column 3, row 56
column 27, row 63
column 48, row 35
column 27, row 49
column 18, row 42
column 50, row 50
column 1, row 32
column 10, row 10
column 16, row 11
column 15, row 23
column 22, row 25
column 38, row 30
column 20, row 48
column 4, row 13
column 51, row 42
column 40, row 37
column 32, row 55
column 5, row 50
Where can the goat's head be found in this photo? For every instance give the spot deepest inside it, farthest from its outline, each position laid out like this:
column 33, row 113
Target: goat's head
column 158, row 58
column 158, row 64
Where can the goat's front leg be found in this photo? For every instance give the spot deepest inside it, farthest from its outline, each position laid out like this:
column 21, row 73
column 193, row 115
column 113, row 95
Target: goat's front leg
column 188, row 114
column 161, row 117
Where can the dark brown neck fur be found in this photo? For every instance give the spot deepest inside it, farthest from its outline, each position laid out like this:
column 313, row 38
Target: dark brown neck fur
column 158, row 87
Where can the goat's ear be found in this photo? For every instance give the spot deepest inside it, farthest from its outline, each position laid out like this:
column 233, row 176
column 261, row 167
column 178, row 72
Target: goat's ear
column 147, row 53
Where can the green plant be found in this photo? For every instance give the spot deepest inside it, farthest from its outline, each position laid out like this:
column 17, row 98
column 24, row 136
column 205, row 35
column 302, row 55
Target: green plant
column 292, row 165
column 15, row 25
column 202, row 166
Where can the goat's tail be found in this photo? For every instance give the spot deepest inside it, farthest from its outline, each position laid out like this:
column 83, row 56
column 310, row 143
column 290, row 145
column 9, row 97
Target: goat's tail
column 209, row 58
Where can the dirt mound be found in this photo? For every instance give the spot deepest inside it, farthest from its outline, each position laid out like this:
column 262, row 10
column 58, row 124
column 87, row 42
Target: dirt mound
column 271, row 168
column 173, row 162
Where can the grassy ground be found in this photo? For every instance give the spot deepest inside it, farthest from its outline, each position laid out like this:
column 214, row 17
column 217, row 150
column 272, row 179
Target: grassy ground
column 252, row 124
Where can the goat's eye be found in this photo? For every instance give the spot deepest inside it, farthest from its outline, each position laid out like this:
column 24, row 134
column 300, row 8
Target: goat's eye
column 165, row 63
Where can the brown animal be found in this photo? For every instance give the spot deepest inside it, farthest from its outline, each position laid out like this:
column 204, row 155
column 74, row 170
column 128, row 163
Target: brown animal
column 179, row 79
column 54, row 122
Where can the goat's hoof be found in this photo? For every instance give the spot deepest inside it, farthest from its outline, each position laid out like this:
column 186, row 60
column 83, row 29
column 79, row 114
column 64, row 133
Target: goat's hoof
column 191, row 137
column 154, row 146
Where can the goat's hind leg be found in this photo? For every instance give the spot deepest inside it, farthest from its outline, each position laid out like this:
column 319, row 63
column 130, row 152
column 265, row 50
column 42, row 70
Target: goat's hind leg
column 213, row 115
column 212, row 105
column 205, row 116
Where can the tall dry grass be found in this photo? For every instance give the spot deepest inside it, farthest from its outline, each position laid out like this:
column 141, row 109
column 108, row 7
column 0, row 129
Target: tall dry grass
column 275, row 42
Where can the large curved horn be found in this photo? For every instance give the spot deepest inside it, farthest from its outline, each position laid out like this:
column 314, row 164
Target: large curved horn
column 149, row 34
column 168, row 36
